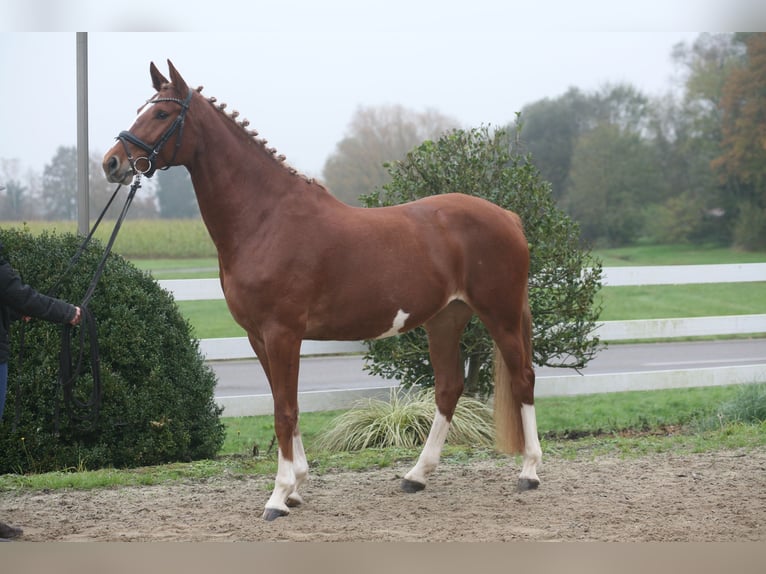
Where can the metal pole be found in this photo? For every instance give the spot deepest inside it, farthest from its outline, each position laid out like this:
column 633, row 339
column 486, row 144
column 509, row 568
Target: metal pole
column 83, row 167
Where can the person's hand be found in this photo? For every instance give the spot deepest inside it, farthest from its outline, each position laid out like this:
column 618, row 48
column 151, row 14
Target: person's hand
column 77, row 316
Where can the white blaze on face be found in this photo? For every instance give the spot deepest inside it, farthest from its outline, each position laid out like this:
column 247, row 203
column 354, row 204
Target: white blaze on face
column 399, row 321
column 144, row 109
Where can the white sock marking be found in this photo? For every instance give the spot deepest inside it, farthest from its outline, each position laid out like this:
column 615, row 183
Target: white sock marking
column 301, row 469
column 284, row 484
column 432, row 450
column 533, row 454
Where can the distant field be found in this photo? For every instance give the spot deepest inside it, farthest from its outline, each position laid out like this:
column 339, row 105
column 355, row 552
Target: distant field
column 165, row 239
column 142, row 238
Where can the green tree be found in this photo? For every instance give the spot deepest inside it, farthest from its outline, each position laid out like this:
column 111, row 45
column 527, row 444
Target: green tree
column 377, row 135
column 614, row 177
column 13, row 200
column 742, row 163
column 14, row 196
column 550, row 131
column 688, row 137
column 563, row 280
column 175, row 194
column 552, row 128
column 59, row 192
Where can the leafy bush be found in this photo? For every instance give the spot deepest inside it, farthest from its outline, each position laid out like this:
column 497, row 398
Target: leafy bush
column 404, row 421
column 157, row 394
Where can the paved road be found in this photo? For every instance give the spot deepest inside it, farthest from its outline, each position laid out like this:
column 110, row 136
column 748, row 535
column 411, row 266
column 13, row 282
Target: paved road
column 245, row 377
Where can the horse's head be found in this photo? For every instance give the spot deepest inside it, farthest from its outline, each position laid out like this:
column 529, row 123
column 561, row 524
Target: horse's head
column 155, row 140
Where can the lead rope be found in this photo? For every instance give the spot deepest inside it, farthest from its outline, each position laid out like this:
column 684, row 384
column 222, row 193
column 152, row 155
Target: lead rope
column 67, row 374
column 88, row 335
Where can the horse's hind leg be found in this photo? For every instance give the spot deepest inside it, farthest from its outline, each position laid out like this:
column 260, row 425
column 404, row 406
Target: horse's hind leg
column 514, row 398
column 444, row 331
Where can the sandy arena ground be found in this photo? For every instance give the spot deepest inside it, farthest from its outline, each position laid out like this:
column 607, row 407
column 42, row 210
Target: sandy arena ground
column 719, row 496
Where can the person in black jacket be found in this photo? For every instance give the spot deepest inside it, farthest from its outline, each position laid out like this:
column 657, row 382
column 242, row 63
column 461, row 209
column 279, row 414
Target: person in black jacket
column 20, row 301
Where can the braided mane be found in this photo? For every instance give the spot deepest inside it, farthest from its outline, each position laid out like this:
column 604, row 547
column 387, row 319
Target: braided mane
column 253, row 134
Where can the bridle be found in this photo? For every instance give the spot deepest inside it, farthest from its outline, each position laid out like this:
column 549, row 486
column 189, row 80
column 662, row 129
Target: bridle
column 153, row 151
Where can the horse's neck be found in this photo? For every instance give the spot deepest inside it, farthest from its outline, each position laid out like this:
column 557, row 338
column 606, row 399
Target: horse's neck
column 240, row 188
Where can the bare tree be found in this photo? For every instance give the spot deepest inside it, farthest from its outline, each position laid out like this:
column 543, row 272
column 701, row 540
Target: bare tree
column 376, row 136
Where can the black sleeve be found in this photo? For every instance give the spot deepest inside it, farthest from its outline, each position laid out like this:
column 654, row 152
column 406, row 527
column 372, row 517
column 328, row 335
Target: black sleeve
column 24, row 300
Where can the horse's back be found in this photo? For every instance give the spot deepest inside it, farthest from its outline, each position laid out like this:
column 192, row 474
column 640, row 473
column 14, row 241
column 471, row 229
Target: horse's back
column 478, row 223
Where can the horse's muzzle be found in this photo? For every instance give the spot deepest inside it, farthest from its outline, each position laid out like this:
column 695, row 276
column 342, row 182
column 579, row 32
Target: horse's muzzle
column 117, row 171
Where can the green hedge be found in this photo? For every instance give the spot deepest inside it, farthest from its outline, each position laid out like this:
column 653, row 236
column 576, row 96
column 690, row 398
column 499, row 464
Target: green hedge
column 157, row 393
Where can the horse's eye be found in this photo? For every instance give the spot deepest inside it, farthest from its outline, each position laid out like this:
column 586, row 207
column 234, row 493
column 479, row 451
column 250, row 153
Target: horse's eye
column 161, row 115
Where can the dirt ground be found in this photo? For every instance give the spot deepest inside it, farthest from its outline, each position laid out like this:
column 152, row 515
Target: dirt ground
column 718, row 496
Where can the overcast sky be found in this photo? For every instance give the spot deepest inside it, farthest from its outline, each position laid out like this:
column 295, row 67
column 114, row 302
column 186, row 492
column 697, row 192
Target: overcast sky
column 298, row 69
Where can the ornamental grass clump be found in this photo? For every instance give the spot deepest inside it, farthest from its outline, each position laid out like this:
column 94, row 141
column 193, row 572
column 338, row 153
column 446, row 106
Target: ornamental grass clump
column 748, row 406
column 404, row 421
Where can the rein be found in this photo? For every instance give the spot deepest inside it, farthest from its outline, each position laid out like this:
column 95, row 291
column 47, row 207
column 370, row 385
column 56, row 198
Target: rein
column 88, row 336
column 153, row 151
column 69, row 371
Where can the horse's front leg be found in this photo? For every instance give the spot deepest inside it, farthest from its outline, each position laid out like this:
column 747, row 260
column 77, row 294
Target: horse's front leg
column 283, row 354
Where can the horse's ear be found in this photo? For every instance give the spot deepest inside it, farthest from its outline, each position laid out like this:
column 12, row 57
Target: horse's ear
column 177, row 80
column 158, row 80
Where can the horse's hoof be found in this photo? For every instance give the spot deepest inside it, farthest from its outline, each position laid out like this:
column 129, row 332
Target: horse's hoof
column 527, row 484
column 294, row 500
column 273, row 513
column 412, row 486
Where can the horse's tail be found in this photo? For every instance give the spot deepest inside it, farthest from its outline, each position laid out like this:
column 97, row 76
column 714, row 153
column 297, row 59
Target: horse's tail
column 509, row 431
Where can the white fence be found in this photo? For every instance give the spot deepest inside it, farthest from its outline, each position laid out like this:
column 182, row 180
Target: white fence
column 239, row 348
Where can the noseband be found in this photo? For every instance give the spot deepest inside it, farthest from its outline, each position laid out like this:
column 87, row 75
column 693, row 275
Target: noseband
column 153, row 151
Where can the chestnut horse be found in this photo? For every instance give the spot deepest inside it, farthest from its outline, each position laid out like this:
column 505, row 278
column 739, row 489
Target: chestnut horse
column 296, row 263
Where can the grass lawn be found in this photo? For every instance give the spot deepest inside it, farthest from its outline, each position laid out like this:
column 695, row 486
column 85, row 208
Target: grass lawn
column 210, row 319
column 582, row 415
column 670, row 301
column 193, row 268
column 626, row 424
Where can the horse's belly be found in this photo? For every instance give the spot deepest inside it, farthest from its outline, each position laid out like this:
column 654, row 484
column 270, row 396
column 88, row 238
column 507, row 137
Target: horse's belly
column 360, row 328
column 375, row 318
